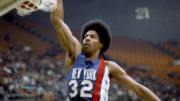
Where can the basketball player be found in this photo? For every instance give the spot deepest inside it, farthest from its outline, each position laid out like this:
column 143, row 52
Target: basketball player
column 88, row 74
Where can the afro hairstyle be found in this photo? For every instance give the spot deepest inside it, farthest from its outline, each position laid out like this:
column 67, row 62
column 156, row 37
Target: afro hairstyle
column 102, row 29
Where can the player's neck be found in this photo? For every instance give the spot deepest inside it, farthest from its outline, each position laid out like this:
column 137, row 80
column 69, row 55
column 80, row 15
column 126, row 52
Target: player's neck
column 93, row 56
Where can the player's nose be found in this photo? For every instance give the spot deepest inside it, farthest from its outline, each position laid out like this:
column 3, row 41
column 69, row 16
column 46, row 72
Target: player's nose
column 87, row 39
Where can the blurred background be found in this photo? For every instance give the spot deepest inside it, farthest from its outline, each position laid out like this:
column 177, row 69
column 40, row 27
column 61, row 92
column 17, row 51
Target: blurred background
column 145, row 42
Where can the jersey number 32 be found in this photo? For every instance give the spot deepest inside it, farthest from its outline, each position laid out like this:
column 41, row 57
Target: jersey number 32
column 87, row 86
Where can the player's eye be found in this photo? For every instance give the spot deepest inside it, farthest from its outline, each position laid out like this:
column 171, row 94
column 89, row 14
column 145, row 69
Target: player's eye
column 93, row 36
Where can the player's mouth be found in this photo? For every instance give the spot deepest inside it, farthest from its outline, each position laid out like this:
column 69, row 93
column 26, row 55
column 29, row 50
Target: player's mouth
column 85, row 45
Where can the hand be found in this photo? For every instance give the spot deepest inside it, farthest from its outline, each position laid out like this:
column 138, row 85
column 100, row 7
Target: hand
column 48, row 5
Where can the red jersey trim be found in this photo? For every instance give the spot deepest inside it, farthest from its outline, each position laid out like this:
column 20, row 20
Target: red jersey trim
column 96, row 95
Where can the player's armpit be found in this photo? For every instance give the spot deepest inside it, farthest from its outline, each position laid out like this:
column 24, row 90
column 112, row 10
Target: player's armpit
column 69, row 61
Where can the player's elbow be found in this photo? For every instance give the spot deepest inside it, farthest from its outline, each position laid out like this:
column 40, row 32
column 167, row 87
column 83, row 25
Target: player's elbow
column 141, row 91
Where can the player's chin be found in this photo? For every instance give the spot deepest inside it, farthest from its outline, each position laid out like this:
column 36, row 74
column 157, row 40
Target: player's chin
column 85, row 50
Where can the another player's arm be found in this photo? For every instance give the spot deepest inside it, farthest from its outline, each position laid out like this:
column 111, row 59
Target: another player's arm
column 70, row 44
column 121, row 76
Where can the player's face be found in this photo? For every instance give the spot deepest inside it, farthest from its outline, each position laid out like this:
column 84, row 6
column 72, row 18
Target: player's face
column 91, row 42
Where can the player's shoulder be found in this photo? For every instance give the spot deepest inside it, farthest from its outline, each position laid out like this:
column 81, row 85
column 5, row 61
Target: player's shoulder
column 110, row 63
column 114, row 67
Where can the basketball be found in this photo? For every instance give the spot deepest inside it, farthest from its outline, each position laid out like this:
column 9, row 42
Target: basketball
column 48, row 5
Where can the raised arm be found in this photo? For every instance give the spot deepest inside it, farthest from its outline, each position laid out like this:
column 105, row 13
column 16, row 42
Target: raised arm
column 121, row 76
column 70, row 44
